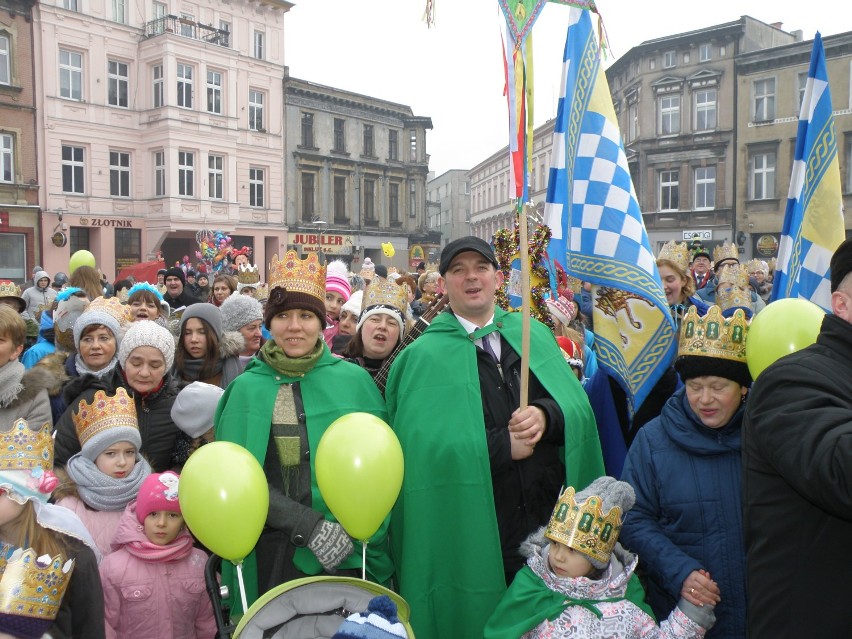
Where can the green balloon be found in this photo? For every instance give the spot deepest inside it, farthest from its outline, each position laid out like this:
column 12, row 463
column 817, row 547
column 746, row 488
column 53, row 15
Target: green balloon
column 224, row 499
column 359, row 470
column 81, row 258
column 783, row 327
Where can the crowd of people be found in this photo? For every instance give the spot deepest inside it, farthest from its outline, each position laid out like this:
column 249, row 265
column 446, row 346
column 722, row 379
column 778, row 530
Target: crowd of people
column 534, row 503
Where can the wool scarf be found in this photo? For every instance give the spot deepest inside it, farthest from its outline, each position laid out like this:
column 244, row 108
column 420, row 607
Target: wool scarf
column 82, row 369
column 275, row 356
column 192, row 369
column 11, row 375
column 102, row 492
column 149, row 551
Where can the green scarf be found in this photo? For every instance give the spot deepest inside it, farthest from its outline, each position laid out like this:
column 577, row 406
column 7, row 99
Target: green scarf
column 275, row 356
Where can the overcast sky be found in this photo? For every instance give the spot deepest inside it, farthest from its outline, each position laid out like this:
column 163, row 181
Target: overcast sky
column 453, row 71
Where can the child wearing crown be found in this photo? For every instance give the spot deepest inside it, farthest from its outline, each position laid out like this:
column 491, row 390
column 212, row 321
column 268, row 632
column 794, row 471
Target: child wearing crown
column 153, row 582
column 337, row 293
column 576, row 577
column 106, row 475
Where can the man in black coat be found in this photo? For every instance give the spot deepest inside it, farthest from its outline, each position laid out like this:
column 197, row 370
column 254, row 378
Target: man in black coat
column 176, row 296
column 797, row 481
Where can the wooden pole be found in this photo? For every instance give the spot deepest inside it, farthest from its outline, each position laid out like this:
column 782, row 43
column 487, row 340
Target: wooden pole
column 524, row 246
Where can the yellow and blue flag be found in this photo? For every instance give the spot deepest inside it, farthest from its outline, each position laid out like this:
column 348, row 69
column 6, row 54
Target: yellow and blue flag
column 597, row 230
column 813, row 222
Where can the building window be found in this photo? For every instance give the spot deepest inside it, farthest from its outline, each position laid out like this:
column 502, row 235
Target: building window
column 722, row 51
column 848, row 166
column 705, row 53
column 256, row 188
column 225, row 26
column 187, row 25
column 339, row 135
column 79, row 239
column 259, row 44
column 119, row 10
column 128, row 247
column 184, row 86
column 5, row 60
column 652, row 64
column 119, row 174
column 393, row 144
column 705, row 187
column 669, row 59
column 705, row 110
column 308, row 130
column 159, row 173
column 764, row 100
column 803, row 83
column 214, row 92
column 13, row 256
column 669, row 191
column 412, row 199
column 255, row 112
column 340, row 199
column 186, row 173
column 71, row 5
column 160, row 10
column 308, row 208
column 216, row 177
column 761, row 168
column 412, row 139
column 70, row 75
column 393, row 202
column 7, row 158
column 686, row 58
column 669, row 114
column 369, row 200
column 73, row 168
column 633, row 122
column 369, row 149
column 158, row 88
column 118, row 83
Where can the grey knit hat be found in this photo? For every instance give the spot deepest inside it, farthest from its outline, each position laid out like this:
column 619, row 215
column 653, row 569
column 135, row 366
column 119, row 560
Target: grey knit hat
column 90, row 318
column 147, row 333
column 207, row 312
column 239, row 310
column 195, row 407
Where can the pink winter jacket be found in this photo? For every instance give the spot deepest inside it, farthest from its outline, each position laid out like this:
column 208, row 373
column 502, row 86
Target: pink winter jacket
column 154, row 599
column 101, row 524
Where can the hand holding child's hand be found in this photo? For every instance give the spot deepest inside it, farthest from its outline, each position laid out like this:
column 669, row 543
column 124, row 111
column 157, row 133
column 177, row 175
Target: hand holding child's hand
column 699, row 589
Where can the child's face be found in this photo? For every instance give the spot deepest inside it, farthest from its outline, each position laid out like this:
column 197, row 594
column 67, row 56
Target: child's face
column 566, row 562
column 10, row 510
column 333, row 302
column 163, row 526
column 117, row 460
column 143, row 310
column 8, row 351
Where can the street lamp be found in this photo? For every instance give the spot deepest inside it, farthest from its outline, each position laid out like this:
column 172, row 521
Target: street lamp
column 321, row 226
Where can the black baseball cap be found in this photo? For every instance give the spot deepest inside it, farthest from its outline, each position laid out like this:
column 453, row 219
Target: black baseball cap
column 463, row 244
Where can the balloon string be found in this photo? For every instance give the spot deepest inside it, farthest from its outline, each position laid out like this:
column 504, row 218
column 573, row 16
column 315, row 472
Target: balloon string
column 364, row 560
column 242, row 587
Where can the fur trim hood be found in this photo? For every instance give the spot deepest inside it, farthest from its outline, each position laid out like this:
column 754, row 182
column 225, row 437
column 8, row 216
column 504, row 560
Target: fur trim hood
column 34, row 381
column 231, row 344
column 55, row 365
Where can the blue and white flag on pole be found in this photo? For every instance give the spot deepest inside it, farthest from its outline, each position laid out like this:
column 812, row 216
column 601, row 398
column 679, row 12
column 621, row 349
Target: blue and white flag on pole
column 597, row 230
column 813, row 222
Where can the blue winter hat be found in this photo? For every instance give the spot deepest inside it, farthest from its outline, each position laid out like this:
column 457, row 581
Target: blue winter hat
column 378, row 622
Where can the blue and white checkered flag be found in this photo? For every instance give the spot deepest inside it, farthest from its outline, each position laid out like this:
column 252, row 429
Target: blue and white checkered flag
column 597, row 230
column 813, row 222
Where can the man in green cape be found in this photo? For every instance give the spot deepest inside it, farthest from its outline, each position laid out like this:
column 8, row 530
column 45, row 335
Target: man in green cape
column 480, row 473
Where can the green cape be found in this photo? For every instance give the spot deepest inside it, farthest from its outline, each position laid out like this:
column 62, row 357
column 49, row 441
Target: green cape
column 444, row 533
column 331, row 389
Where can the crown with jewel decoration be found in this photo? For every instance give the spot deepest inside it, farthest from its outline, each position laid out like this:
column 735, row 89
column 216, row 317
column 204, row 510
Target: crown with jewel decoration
column 104, row 413
column 9, row 289
column 112, row 306
column 248, row 275
column 714, row 335
column 725, row 252
column 732, row 290
column 386, row 294
column 31, row 590
column 755, row 265
column 261, row 293
column 677, row 253
column 26, row 448
column 584, row 527
column 296, row 275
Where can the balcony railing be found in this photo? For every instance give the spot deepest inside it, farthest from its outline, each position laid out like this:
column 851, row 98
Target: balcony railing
column 188, row 29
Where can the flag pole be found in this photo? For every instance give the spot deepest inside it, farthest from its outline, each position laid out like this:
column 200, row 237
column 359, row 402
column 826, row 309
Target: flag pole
column 523, row 245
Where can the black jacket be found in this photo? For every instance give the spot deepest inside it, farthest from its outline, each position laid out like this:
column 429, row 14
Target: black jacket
column 797, row 502
column 184, row 299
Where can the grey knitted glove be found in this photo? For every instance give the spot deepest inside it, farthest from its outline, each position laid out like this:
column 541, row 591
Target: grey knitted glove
column 330, row 544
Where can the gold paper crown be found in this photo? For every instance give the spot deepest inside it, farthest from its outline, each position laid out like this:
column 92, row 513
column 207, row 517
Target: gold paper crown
column 385, row 293
column 261, row 292
column 584, row 527
column 304, row 276
column 677, row 253
column 23, row 448
column 756, row 265
column 248, row 275
column 714, row 335
column 732, row 289
column 33, row 586
column 112, row 306
column 772, row 264
column 105, row 412
column 9, row 289
column 725, row 252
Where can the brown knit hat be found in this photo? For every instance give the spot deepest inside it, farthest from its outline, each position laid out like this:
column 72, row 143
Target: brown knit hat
column 295, row 283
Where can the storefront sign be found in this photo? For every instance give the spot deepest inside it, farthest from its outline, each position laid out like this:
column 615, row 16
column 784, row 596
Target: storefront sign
column 697, row 235
column 59, row 239
column 416, row 255
column 766, row 245
column 105, row 221
column 326, row 243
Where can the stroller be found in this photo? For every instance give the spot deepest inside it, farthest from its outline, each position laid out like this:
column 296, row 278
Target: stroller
column 309, row 608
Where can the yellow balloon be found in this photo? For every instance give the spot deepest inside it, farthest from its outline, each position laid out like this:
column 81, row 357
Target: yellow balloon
column 81, row 258
column 224, row 499
column 783, row 327
column 359, row 470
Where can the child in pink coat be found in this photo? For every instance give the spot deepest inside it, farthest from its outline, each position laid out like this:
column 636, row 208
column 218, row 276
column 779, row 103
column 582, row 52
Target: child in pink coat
column 154, row 580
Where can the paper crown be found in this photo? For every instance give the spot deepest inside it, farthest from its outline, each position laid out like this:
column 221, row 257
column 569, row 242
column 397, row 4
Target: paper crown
column 105, row 412
column 261, row 292
column 24, row 448
column 303, row 276
column 248, row 275
column 725, row 252
column 732, row 290
column 584, row 527
column 31, row 590
column 713, row 335
column 677, row 253
column 755, row 265
column 772, row 264
column 9, row 289
column 112, row 306
column 385, row 293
